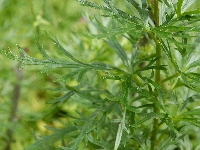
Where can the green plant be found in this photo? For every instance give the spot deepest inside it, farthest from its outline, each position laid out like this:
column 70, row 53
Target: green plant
column 149, row 100
column 18, row 27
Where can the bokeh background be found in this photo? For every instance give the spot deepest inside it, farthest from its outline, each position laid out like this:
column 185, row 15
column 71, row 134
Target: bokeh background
column 20, row 22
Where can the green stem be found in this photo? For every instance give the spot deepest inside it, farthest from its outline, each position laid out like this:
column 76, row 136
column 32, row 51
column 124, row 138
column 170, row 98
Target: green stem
column 157, row 76
column 170, row 77
column 158, row 62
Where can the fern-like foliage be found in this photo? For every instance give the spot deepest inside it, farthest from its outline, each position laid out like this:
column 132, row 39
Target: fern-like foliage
column 124, row 117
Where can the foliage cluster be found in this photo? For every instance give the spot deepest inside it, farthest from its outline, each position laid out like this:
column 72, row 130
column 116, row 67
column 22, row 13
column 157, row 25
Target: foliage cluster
column 143, row 96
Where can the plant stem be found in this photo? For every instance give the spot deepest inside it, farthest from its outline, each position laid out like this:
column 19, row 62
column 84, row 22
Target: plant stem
column 170, row 77
column 14, row 105
column 157, row 76
column 158, row 62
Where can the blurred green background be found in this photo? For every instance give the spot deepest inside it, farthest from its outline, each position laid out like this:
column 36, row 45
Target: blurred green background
column 20, row 21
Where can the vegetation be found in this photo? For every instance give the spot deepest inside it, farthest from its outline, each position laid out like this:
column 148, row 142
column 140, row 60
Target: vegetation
column 130, row 80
